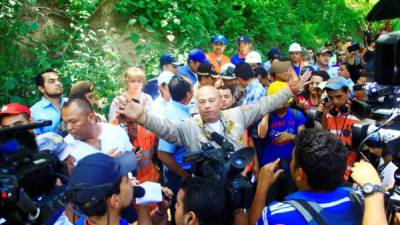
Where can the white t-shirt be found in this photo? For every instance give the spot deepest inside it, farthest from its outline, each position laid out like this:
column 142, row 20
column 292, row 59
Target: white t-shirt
column 217, row 127
column 111, row 137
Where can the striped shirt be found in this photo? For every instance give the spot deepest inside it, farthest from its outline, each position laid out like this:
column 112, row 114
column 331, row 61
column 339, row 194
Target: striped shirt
column 335, row 202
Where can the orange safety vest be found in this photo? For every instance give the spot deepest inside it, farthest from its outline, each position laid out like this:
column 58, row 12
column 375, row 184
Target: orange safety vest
column 213, row 58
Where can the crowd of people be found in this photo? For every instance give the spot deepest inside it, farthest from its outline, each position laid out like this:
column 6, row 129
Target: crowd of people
column 295, row 113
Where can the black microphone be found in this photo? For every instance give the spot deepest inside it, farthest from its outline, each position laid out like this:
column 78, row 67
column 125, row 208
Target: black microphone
column 138, row 192
column 225, row 144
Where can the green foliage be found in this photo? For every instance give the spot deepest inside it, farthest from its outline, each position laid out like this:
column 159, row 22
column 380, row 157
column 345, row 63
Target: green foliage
column 31, row 42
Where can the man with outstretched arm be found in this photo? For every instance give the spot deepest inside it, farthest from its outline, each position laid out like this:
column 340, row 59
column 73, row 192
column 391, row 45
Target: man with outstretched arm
column 193, row 132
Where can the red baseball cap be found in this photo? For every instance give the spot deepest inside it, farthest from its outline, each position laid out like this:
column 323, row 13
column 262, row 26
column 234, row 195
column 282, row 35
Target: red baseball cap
column 14, row 108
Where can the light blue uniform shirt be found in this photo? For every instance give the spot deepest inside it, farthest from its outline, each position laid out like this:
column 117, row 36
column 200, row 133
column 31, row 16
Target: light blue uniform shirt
column 176, row 111
column 185, row 70
column 44, row 110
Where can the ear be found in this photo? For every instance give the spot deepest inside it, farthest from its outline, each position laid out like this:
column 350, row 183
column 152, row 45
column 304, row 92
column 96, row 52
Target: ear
column 92, row 117
column 41, row 89
column 300, row 175
column 114, row 201
column 190, row 218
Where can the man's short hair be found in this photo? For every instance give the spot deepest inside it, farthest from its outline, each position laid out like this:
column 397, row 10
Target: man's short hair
column 178, row 87
column 322, row 156
column 39, row 79
column 82, row 103
column 206, row 199
column 244, row 71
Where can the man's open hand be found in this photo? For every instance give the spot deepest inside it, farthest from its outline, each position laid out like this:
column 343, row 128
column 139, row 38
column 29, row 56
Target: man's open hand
column 130, row 109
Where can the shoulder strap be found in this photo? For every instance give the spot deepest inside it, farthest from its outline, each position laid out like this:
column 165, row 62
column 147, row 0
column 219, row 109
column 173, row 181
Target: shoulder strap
column 309, row 210
column 358, row 202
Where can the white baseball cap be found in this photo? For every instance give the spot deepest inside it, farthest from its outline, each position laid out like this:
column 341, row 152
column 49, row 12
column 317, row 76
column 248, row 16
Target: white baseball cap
column 253, row 57
column 295, row 47
column 165, row 77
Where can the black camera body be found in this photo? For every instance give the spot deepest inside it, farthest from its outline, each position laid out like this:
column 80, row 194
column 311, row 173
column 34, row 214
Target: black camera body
column 224, row 165
column 27, row 176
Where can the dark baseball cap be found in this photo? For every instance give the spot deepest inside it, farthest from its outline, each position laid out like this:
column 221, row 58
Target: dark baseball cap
column 244, row 39
column 244, row 70
column 169, row 59
column 207, row 69
column 197, row 55
column 95, row 175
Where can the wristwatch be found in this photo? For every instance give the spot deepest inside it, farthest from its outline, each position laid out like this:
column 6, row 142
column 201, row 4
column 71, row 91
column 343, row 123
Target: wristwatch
column 369, row 189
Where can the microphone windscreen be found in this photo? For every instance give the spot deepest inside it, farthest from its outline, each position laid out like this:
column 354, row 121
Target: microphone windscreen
column 138, row 192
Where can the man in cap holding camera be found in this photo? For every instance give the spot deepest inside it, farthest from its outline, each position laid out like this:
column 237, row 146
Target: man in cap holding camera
column 217, row 57
column 337, row 116
column 101, row 199
column 14, row 114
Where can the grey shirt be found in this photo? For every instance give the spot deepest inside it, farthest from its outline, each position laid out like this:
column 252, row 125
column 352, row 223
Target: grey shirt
column 192, row 132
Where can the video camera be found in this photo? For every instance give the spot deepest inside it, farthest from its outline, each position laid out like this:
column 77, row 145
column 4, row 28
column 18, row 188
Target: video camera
column 224, row 165
column 27, row 176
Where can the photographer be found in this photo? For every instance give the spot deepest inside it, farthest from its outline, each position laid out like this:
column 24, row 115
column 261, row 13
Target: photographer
column 337, row 117
column 102, row 198
column 317, row 167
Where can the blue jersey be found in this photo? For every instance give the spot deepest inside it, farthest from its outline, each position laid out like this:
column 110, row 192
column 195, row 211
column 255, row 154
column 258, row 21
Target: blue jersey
column 336, row 202
column 288, row 123
column 236, row 59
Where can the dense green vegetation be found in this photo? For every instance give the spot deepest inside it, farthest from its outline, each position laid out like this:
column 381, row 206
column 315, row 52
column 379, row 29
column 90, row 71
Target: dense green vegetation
column 66, row 35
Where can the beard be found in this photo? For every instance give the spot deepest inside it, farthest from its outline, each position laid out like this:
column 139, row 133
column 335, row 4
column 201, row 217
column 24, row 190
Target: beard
column 54, row 95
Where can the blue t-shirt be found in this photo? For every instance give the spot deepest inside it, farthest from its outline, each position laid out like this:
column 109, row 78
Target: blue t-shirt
column 185, row 71
column 176, row 111
column 82, row 221
column 297, row 70
column 290, row 122
column 336, row 202
column 236, row 59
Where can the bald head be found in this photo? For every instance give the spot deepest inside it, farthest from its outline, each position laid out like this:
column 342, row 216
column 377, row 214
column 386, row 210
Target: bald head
column 209, row 104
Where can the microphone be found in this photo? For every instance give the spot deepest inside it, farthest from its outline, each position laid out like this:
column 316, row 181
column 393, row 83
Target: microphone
column 221, row 141
column 138, row 192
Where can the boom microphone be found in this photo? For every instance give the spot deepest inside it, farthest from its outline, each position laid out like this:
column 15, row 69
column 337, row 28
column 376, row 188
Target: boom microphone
column 225, row 144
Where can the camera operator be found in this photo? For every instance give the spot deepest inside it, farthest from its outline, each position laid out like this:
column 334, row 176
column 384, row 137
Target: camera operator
column 374, row 210
column 102, row 198
column 337, row 117
column 14, row 114
column 317, row 167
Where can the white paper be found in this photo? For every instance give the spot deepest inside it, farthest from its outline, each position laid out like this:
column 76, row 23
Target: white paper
column 153, row 193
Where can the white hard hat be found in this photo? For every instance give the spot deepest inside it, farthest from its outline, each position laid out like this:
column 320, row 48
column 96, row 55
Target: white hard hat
column 295, row 47
column 253, row 57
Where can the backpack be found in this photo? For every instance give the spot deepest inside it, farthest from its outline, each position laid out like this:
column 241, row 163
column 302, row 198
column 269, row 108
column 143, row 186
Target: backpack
column 314, row 214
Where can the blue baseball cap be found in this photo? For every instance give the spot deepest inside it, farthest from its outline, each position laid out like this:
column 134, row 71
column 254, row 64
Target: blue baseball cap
column 95, row 175
column 336, row 83
column 244, row 39
column 219, row 38
column 169, row 59
column 197, row 55
column 274, row 53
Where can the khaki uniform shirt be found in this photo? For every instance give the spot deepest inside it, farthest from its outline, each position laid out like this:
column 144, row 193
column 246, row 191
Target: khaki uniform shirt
column 192, row 132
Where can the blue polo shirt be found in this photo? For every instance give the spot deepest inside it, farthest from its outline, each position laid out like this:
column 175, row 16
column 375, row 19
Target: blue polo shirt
column 236, row 59
column 45, row 110
column 175, row 111
column 185, row 70
column 336, row 202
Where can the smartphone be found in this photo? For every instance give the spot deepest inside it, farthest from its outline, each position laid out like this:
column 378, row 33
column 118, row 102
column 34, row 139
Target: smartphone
column 135, row 100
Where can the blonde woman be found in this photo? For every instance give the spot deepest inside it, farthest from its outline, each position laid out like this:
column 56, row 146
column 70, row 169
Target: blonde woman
column 134, row 79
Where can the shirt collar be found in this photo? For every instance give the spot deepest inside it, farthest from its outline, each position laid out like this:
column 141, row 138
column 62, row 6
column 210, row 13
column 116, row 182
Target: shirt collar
column 180, row 106
column 45, row 102
column 252, row 85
